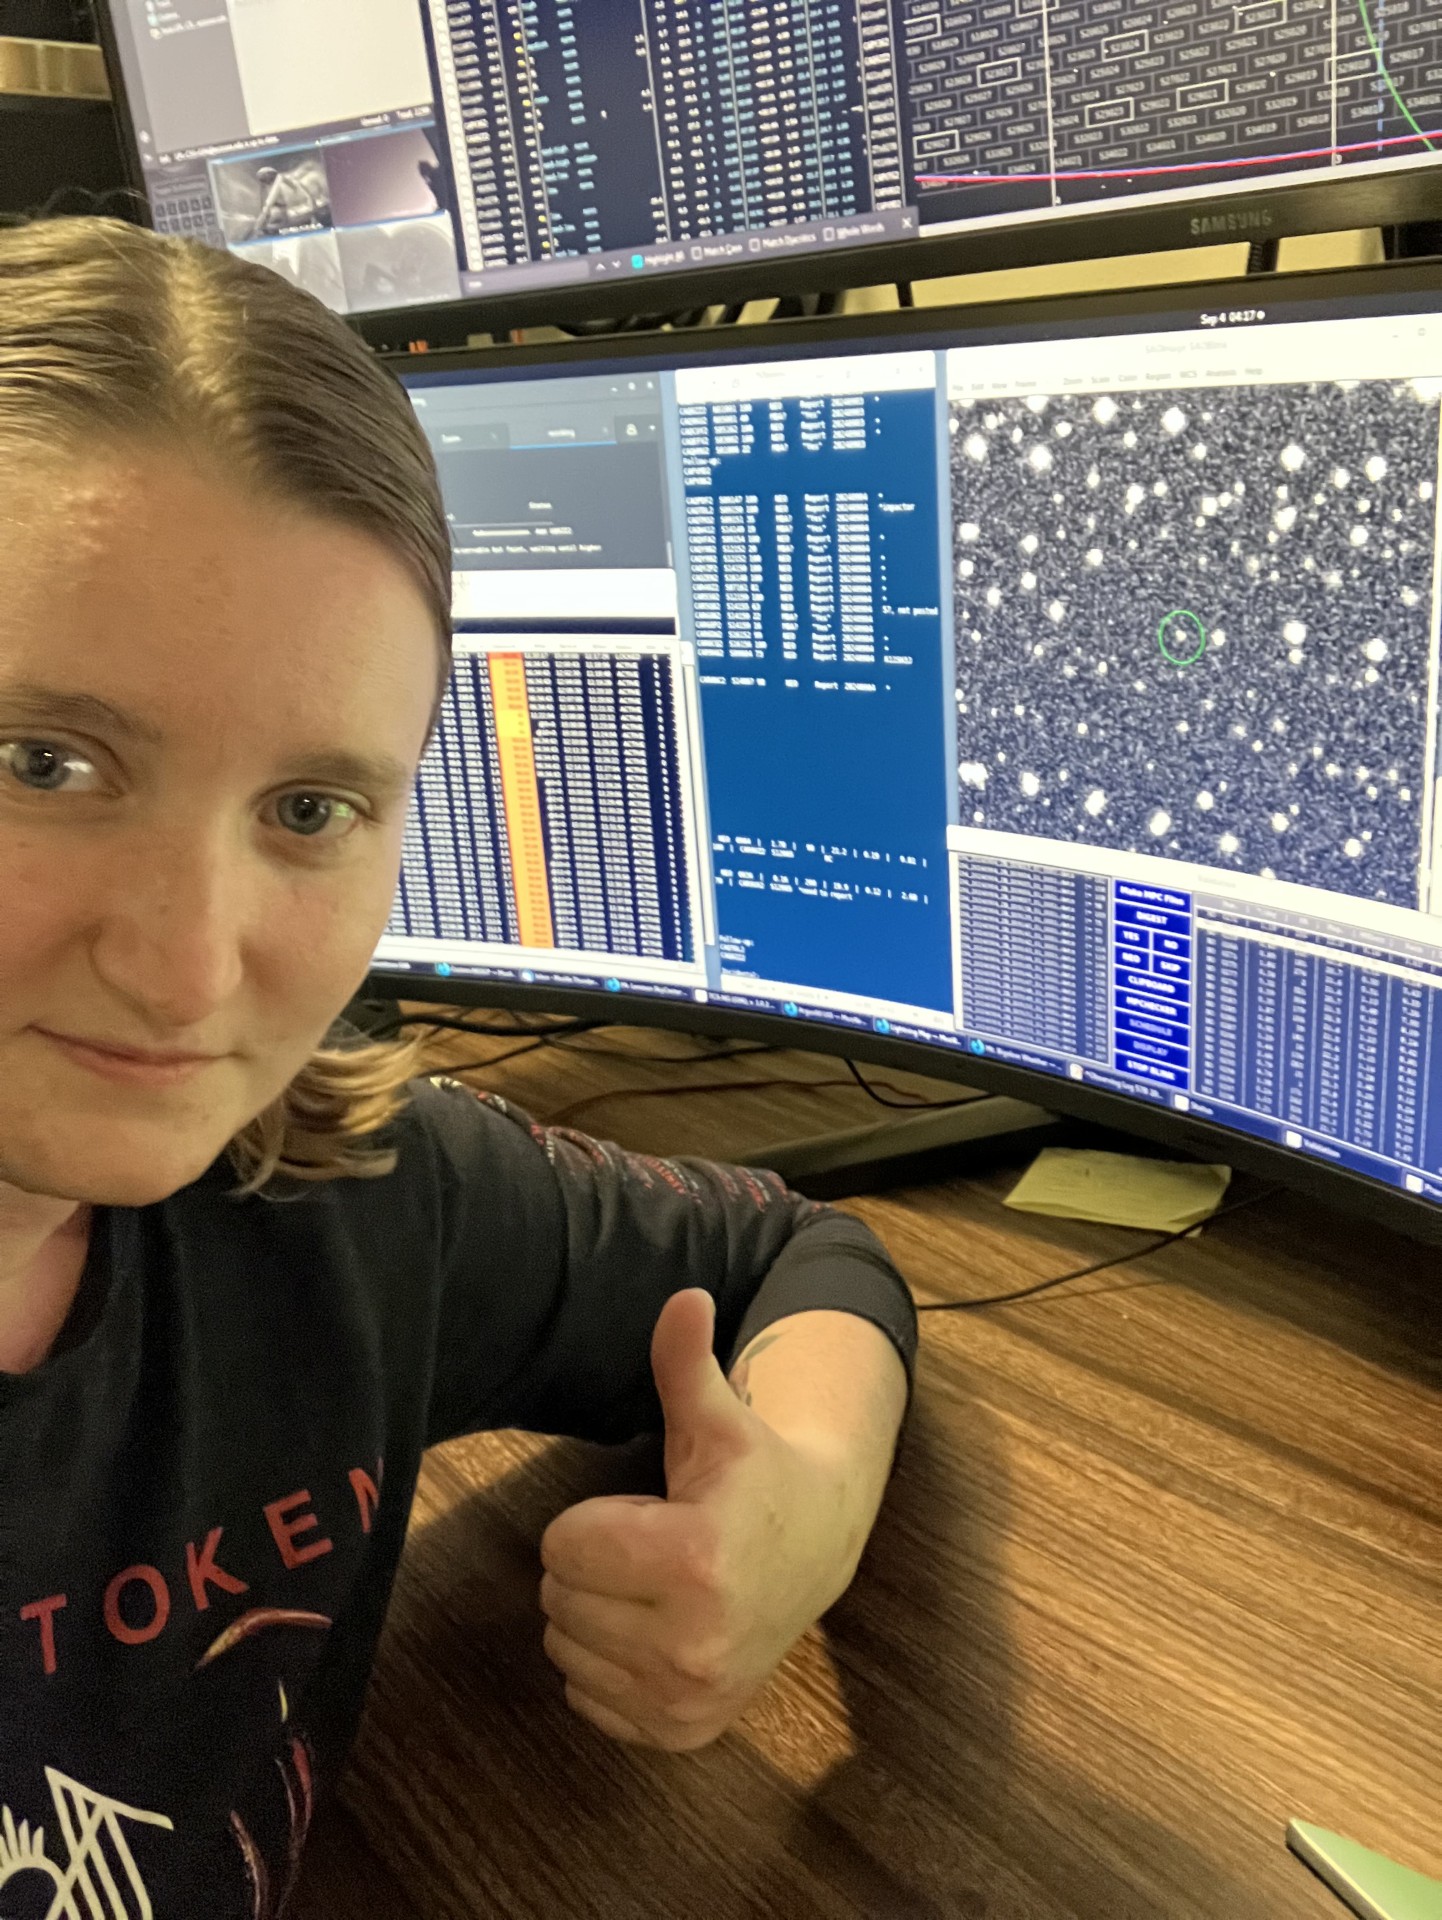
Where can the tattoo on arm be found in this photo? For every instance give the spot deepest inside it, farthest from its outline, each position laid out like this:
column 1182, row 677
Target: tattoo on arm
column 741, row 1374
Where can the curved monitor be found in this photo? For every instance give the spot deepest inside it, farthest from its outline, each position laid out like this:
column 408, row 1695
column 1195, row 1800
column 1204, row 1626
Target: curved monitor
column 1046, row 696
column 515, row 161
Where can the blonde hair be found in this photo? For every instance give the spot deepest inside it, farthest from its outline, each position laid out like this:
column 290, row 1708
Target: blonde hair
column 110, row 333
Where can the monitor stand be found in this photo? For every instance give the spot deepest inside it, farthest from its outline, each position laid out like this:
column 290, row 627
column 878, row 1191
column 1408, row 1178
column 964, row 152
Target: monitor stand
column 911, row 1148
column 1373, row 1886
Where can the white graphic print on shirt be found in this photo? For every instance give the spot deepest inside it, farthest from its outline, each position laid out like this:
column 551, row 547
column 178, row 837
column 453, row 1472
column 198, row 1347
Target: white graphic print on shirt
column 100, row 1877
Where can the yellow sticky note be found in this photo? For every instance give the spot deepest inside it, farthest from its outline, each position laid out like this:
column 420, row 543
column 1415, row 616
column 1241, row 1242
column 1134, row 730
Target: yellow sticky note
column 1120, row 1188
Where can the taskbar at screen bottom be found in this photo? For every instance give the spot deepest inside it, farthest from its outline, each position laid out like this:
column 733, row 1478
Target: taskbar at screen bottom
column 1306, row 1143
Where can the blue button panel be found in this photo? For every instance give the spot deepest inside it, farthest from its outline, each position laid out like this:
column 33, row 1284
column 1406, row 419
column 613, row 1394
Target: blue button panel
column 1152, row 983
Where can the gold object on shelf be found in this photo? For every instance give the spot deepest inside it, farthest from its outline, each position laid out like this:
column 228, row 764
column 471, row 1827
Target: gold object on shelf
column 52, row 70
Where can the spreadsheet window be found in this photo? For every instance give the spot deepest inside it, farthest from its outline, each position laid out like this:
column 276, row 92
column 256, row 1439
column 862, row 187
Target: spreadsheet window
column 553, row 813
column 633, row 135
column 1277, row 1022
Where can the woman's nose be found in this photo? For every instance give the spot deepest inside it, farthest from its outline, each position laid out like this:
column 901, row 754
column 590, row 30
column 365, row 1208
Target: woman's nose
column 170, row 935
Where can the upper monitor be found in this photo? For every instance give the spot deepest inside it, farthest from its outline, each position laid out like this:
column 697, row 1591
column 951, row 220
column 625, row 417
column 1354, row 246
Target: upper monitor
column 389, row 153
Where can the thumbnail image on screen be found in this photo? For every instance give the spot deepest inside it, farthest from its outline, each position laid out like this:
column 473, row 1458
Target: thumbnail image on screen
column 298, row 133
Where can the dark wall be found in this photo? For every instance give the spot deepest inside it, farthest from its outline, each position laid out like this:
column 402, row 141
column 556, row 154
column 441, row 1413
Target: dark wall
column 48, row 146
column 47, row 19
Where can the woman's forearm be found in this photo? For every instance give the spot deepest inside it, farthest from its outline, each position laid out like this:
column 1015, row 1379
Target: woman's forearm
column 833, row 1385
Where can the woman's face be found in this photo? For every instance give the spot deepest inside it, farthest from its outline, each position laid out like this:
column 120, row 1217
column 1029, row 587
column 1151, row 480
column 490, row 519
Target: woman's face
column 212, row 706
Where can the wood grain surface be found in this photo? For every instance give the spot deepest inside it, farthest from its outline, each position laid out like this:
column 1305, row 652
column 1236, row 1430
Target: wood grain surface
column 1160, row 1567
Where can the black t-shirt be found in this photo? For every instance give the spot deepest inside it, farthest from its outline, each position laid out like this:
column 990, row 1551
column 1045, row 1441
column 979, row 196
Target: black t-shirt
column 206, row 1484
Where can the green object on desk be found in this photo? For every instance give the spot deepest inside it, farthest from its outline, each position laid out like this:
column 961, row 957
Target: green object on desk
column 1371, row 1884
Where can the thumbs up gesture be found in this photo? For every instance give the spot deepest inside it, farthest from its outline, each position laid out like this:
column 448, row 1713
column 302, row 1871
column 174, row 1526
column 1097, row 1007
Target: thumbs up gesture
column 668, row 1616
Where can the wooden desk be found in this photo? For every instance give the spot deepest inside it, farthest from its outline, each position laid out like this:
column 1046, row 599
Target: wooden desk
column 1160, row 1567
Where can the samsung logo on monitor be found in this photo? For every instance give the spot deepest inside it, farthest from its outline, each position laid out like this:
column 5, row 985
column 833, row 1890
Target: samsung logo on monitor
column 1259, row 221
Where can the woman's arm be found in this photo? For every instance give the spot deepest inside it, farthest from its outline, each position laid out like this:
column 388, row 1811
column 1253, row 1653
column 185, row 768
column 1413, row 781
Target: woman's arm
column 835, row 1386
column 594, row 1292
column 559, row 1252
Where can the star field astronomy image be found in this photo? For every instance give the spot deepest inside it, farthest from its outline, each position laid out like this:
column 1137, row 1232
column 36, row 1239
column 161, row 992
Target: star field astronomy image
column 1199, row 624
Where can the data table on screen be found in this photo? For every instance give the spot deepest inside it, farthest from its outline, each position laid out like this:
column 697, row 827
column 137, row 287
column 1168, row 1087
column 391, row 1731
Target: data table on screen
column 630, row 135
column 1065, row 697
column 1339, row 1046
column 549, row 812
column 1030, row 942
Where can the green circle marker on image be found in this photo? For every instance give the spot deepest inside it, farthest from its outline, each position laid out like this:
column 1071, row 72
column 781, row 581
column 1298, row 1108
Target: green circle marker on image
column 1184, row 630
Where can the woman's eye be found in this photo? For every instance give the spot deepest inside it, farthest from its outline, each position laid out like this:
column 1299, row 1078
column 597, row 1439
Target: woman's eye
column 43, row 766
column 309, row 814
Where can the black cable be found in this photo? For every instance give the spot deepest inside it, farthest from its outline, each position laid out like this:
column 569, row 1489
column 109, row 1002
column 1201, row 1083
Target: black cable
column 557, row 1037
column 1100, row 1266
column 562, row 1038
column 484, row 1066
column 123, row 201
column 727, row 1051
column 448, row 1023
column 905, row 297
column 909, row 1106
column 600, row 328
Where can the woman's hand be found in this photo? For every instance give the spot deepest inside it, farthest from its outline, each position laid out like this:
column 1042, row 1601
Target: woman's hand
column 668, row 1616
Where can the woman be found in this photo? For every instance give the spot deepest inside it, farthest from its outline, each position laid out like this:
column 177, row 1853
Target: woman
column 224, row 637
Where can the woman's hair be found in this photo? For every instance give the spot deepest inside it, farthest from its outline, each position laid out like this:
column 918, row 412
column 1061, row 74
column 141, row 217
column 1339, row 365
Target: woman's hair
column 109, row 335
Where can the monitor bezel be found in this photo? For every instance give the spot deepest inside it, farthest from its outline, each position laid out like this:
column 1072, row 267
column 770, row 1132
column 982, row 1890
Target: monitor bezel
column 1405, row 196
column 1233, row 293
column 1357, row 1193
column 1409, row 196
column 108, row 38
column 1204, row 1140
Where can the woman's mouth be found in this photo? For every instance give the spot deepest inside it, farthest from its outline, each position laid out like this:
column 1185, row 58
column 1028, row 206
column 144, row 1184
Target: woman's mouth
column 131, row 1066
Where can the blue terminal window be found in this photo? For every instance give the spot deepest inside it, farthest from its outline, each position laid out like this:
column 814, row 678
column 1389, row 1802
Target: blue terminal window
column 811, row 518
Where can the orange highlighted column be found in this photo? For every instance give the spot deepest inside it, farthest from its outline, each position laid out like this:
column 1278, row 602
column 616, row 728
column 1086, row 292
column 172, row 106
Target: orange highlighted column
column 522, row 795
